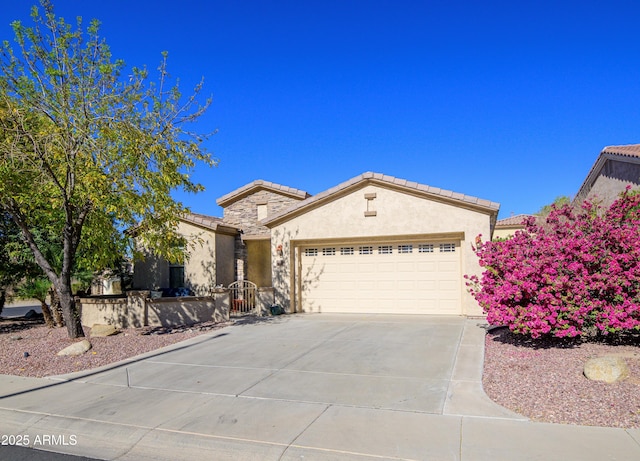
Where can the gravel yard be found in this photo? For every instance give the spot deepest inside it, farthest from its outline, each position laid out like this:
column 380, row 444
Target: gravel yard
column 542, row 380
column 41, row 343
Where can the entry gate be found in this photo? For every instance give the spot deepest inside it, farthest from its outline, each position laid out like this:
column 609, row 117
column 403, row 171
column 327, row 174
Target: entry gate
column 243, row 298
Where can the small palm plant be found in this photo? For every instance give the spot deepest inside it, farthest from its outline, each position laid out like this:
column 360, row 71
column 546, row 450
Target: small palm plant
column 38, row 288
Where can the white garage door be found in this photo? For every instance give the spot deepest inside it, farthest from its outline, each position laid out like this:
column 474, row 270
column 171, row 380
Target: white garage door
column 404, row 278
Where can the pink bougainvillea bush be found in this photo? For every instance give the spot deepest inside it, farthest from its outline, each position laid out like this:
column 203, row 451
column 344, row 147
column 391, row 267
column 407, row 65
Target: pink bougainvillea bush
column 577, row 273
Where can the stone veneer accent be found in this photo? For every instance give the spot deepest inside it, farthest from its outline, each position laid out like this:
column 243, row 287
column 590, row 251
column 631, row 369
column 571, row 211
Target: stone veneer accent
column 241, row 211
column 244, row 212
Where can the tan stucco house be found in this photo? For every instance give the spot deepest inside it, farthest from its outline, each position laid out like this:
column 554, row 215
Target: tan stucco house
column 506, row 227
column 373, row 244
column 615, row 168
column 209, row 264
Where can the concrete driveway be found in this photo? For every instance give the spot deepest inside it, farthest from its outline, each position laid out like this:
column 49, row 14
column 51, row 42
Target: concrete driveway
column 326, row 387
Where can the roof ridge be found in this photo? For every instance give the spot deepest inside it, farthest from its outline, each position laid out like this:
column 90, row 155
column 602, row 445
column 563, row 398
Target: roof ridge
column 370, row 176
column 265, row 184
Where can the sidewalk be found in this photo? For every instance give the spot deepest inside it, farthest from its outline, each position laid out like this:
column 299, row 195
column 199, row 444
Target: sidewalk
column 280, row 391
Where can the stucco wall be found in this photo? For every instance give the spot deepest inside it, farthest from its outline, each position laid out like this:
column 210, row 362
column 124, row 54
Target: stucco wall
column 209, row 261
column 397, row 213
column 504, row 233
column 200, row 261
column 138, row 310
column 259, row 262
column 225, row 267
column 615, row 176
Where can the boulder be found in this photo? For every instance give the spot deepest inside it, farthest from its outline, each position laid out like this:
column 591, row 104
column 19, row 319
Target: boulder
column 100, row 331
column 78, row 348
column 607, row 368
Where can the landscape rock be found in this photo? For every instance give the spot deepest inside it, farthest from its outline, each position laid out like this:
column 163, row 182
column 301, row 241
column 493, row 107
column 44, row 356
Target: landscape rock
column 78, row 348
column 100, row 331
column 608, row 368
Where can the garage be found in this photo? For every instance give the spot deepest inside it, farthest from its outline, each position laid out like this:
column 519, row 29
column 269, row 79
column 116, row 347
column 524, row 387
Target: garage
column 379, row 244
column 406, row 277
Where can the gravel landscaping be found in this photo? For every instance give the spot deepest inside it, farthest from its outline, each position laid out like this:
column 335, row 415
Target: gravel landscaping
column 543, row 379
column 41, row 344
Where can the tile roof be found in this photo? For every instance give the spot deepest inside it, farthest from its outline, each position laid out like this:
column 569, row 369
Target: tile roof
column 629, row 150
column 512, row 220
column 209, row 222
column 260, row 184
column 436, row 192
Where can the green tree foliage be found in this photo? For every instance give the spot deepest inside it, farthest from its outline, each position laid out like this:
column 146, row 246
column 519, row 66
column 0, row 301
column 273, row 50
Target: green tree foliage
column 87, row 150
column 12, row 267
column 559, row 202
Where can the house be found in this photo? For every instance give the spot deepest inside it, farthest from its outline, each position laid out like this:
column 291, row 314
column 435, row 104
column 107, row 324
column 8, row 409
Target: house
column 373, row 244
column 211, row 263
column 615, row 168
column 235, row 247
column 508, row 226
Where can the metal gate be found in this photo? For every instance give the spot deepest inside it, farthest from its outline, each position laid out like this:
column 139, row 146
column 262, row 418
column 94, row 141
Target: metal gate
column 243, row 298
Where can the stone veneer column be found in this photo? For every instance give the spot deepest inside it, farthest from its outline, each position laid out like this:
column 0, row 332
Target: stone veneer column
column 240, row 257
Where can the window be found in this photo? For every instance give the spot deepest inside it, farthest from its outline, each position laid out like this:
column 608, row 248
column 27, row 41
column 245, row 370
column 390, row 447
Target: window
column 366, row 250
column 385, row 249
column 262, row 211
column 447, row 248
column 405, row 248
column 311, row 252
column 328, row 251
column 425, row 248
column 346, row 251
column 176, row 276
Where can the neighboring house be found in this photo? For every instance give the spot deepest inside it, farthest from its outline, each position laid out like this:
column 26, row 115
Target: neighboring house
column 508, row 226
column 615, row 168
column 373, row 244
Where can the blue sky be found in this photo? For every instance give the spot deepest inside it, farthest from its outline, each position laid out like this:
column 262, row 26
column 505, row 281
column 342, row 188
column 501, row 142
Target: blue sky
column 507, row 101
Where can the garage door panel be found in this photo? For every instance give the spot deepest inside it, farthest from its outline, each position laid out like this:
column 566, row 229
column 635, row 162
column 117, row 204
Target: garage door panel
column 386, row 266
column 367, row 267
column 331, row 268
column 450, row 306
column 347, row 267
column 383, row 280
column 406, row 267
column 405, row 285
column 365, row 285
column 427, row 266
column 447, row 266
column 386, row 285
column 448, row 285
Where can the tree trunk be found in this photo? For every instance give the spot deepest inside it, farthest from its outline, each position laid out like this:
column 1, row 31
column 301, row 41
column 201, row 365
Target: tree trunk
column 70, row 313
column 56, row 310
column 3, row 298
column 46, row 312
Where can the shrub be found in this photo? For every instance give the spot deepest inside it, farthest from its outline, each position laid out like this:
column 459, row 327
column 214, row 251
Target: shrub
column 576, row 273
